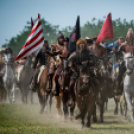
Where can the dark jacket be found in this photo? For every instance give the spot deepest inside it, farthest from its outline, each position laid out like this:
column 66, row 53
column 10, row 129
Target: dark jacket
column 41, row 57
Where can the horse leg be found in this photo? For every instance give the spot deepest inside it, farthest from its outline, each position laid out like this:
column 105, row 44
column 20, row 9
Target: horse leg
column 94, row 114
column 13, row 92
column 72, row 112
column 101, row 111
column 26, row 94
column 65, row 109
column 50, row 102
column 22, row 94
column 116, row 106
column 121, row 110
column 83, row 113
column 58, row 106
column 31, row 96
column 106, row 104
column 128, row 100
column 47, row 96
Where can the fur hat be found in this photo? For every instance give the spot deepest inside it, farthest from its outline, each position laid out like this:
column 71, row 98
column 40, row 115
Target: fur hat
column 60, row 35
column 81, row 41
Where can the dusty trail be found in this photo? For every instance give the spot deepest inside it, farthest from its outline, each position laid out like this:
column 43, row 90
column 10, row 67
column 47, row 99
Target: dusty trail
column 28, row 115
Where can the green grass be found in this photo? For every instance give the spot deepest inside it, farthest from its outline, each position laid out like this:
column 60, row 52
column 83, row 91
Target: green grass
column 25, row 119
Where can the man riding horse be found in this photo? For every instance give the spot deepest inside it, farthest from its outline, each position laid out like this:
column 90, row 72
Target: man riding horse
column 41, row 57
column 7, row 51
column 126, row 47
column 62, row 51
column 79, row 60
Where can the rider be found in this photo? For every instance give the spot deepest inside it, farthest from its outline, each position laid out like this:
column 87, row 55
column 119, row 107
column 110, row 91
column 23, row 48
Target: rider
column 62, row 51
column 8, row 50
column 41, row 57
column 81, row 59
column 127, row 47
column 52, row 68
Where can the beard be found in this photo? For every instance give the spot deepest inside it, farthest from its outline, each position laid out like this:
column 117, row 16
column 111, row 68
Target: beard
column 60, row 43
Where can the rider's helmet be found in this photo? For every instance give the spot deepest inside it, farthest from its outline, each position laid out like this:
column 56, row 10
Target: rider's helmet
column 8, row 50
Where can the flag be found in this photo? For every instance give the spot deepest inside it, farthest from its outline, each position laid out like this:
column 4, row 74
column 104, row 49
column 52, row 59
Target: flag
column 107, row 29
column 74, row 36
column 32, row 24
column 34, row 41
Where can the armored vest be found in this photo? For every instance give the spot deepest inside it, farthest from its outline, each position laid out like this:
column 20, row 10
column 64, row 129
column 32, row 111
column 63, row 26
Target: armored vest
column 82, row 56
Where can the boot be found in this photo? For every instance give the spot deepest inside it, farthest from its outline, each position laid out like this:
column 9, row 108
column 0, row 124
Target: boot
column 50, row 86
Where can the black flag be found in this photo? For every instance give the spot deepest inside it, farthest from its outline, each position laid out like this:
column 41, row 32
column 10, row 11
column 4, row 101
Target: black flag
column 75, row 35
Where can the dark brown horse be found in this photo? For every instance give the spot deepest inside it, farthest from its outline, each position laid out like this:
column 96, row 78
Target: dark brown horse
column 85, row 100
column 105, row 86
column 66, row 94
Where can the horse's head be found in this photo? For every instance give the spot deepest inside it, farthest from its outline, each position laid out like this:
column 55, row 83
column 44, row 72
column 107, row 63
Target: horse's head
column 129, row 62
column 29, row 61
column 101, row 67
column 8, row 58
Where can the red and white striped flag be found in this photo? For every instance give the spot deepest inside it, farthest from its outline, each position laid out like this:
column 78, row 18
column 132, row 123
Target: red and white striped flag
column 34, row 41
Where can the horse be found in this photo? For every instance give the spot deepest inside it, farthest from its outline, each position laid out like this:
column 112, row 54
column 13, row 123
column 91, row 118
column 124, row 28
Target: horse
column 119, row 99
column 103, row 86
column 85, row 100
column 41, row 87
column 25, row 74
column 9, row 77
column 128, row 82
column 66, row 94
column 3, row 92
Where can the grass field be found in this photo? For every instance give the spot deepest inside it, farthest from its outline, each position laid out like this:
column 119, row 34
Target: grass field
column 25, row 119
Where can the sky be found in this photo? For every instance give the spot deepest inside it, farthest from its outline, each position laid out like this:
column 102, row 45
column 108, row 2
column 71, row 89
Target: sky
column 15, row 13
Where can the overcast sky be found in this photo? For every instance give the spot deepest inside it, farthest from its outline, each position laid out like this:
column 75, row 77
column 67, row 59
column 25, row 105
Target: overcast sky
column 15, row 13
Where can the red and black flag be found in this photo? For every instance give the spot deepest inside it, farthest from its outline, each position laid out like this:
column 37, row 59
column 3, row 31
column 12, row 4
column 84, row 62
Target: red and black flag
column 75, row 35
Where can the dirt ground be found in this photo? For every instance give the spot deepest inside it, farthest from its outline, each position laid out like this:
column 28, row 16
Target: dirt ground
column 21, row 118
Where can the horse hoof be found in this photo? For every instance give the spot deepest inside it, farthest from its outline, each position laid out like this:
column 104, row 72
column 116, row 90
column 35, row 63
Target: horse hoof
column 41, row 111
column 115, row 112
column 71, row 118
column 13, row 101
column 101, row 121
column 88, row 125
column 95, row 120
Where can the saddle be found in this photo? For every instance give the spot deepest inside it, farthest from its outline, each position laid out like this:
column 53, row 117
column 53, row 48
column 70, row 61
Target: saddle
column 40, row 72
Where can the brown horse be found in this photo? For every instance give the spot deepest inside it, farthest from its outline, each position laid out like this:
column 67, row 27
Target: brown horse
column 85, row 100
column 66, row 94
column 41, row 89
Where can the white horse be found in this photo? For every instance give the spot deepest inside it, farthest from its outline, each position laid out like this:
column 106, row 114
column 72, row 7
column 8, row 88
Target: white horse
column 9, row 77
column 129, row 82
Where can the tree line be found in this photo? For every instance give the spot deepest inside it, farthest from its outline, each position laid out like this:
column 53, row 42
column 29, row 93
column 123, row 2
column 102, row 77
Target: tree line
column 90, row 29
